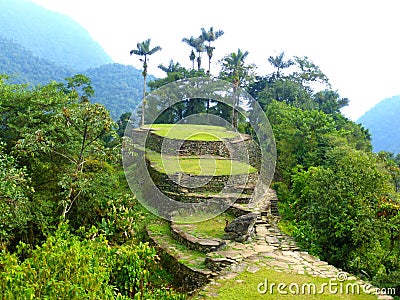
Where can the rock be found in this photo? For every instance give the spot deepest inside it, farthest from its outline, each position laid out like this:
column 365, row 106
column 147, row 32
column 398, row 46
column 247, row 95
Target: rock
column 385, row 297
column 253, row 269
column 241, row 229
column 218, row 263
column 239, row 281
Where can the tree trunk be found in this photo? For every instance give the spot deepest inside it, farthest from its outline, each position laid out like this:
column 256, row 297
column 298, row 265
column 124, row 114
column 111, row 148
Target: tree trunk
column 144, row 99
column 234, row 121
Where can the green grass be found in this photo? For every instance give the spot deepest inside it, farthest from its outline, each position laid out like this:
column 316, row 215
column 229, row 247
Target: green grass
column 192, row 132
column 191, row 219
column 212, row 228
column 197, row 166
column 245, row 285
column 160, row 227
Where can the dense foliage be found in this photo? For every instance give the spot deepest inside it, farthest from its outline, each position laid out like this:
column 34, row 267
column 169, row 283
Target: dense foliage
column 69, row 227
column 337, row 198
column 68, row 266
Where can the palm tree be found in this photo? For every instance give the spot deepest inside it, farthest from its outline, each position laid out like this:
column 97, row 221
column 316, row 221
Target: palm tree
column 171, row 68
column 143, row 49
column 198, row 45
column 210, row 36
column 233, row 68
column 279, row 63
column 192, row 57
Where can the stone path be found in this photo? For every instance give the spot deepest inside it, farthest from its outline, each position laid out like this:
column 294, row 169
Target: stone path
column 269, row 248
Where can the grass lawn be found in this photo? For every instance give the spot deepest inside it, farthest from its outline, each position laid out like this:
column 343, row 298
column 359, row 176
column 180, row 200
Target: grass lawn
column 192, row 132
column 212, row 228
column 245, row 286
column 197, row 166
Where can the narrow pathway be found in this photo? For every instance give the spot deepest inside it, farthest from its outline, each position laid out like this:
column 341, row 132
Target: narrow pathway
column 269, row 248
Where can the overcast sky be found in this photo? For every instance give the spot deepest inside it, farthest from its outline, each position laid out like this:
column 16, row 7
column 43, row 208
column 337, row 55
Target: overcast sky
column 355, row 43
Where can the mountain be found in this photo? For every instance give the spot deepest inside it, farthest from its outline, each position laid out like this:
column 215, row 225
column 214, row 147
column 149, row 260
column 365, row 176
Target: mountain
column 383, row 123
column 50, row 35
column 118, row 87
column 58, row 48
column 23, row 67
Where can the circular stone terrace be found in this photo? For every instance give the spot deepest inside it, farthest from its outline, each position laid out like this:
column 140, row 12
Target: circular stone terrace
column 193, row 163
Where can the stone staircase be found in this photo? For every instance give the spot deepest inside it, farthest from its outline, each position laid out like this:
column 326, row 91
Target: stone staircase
column 224, row 259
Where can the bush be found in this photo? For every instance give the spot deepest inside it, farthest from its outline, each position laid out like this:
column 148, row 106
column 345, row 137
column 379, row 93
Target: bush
column 14, row 199
column 67, row 266
column 64, row 267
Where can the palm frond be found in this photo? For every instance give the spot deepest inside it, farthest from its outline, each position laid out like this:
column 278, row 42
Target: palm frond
column 154, row 50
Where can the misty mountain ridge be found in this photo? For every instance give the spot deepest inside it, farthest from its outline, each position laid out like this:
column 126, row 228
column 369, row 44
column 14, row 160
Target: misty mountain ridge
column 383, row 123
column 57, row 48
column 50, row 35
column 118, row 87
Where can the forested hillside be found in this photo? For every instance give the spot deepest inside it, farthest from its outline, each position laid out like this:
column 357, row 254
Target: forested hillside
column 383, row 123
column 118, row 87
column 50, row 35
column 22, row 66
column 58, row 48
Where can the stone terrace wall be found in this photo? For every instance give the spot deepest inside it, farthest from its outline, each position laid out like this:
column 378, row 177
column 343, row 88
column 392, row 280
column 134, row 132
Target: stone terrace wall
column 185, row 277
column 199, row 244
column 186, row 148
column 212, row 184
column 238, row 148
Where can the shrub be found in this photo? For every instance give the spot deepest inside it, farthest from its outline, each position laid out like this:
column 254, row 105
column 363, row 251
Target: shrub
column 68, row 266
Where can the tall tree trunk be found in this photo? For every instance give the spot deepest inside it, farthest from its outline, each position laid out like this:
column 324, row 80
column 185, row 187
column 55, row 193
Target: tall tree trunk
column 198, row 62
column 233, row 107
column 144, row 89
column 144, row 100
column 208, row 111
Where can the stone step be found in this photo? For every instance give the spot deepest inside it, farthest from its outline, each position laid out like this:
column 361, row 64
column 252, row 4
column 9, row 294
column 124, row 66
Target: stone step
column 247, row 189
column 204, row 245
column 274, row 207
column 202, row 197
column 238, row 209
column 189, row 269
